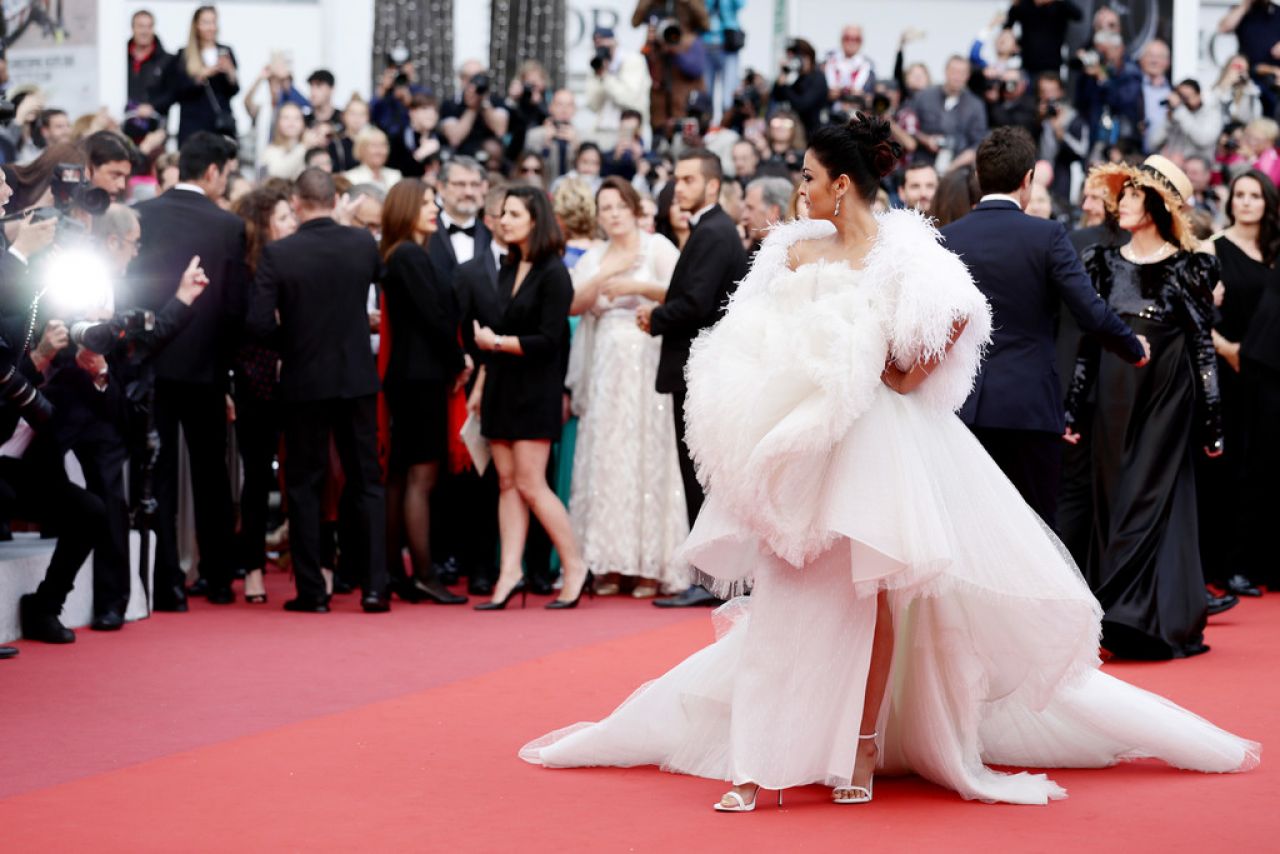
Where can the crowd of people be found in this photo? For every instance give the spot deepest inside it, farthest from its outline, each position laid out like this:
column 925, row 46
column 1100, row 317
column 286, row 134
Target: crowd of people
column 452, row 331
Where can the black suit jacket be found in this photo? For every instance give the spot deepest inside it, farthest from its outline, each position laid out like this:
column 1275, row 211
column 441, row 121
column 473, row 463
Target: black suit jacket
column 475, row 284
column 176, row 226
column 440, row 248
column 1026, row 267
column 318, row 279
column 423, row 315
column 710, row 267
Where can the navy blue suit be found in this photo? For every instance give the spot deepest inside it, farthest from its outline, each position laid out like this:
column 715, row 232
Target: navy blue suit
column 1027, row 268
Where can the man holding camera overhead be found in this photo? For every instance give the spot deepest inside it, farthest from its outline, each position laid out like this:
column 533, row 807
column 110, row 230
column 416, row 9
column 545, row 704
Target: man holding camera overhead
column 476, row 115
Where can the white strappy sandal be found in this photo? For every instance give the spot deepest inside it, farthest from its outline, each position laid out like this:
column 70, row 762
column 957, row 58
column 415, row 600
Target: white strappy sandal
column 740, row 804
column 852, row 794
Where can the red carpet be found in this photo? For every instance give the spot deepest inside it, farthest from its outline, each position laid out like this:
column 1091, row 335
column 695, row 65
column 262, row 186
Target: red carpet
column 249, row 729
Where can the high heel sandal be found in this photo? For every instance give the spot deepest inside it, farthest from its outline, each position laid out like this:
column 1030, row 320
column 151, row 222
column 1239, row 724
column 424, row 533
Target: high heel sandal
column 855, row 794
column 256, row 598
column 740, row 804
column 502, row 605
column 561, row 604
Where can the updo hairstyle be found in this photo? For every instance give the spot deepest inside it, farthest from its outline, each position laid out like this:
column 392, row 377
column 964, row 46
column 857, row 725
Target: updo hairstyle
column 863, row 149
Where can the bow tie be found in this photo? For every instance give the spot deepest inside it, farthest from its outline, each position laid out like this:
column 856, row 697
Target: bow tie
column 469, row 230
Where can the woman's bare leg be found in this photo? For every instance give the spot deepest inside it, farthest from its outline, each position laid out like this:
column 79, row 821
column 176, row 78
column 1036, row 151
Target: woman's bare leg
column 531, row 481
column 864, row 765
column 513, row 521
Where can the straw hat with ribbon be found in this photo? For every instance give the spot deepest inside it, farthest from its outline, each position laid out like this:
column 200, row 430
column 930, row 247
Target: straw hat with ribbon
column 1161, row 175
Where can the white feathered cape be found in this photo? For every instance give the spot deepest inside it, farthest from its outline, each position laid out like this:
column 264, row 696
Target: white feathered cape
column 797, row 359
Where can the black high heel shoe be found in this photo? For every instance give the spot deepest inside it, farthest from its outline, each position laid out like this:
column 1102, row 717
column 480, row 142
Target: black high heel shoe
column 560, row 604
column 501, row 606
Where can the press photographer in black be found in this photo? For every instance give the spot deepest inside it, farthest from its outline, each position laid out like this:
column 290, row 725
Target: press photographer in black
column 191, row 371
column 33, row 479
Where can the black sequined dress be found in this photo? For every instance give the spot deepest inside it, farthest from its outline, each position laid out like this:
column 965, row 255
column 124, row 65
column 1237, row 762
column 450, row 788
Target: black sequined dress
column 1147, row 424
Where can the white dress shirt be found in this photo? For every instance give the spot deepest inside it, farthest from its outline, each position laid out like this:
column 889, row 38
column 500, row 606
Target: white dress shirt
column 464, row 245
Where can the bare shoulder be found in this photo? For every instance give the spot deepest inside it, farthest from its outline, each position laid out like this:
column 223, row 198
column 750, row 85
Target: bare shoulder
column 806, row 252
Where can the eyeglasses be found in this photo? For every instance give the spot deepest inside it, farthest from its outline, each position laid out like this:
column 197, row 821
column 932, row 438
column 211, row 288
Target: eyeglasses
column 531, row 170
column 466, row 185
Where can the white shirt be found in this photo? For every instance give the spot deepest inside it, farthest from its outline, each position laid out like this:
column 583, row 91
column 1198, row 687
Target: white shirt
column 499, row 252
column 999, row 197
column 464, row 245
column 851, row 73
column 693, row 220
column 190, row 188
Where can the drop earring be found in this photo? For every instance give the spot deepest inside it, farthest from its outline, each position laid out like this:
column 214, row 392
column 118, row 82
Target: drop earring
column 838, row 198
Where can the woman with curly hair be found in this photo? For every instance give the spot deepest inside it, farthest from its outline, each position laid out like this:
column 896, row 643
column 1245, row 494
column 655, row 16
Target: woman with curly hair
column 268, row 217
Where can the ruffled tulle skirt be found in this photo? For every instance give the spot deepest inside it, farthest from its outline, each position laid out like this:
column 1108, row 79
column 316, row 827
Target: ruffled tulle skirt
column 996, row 638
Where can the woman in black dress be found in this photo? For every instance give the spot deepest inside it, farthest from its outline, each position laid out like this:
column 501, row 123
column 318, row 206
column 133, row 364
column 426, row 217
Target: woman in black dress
column 1147, row 425
column 202, row 79
column 424, row 364
column 1235, row 493
column 521, row 390
column 268, row 217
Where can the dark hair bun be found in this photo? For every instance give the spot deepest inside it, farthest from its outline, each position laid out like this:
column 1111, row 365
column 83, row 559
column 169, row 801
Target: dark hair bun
column 862, row 148
column 875, row 141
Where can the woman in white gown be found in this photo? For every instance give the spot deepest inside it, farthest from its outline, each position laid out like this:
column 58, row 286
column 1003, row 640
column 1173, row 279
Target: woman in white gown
column 909, row 611
column 627, row 502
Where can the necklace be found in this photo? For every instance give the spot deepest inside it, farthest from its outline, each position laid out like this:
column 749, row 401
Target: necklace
column 1147, row 259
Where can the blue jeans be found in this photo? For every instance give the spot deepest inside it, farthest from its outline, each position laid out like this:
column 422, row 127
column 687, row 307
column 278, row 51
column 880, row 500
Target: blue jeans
column 723, row 67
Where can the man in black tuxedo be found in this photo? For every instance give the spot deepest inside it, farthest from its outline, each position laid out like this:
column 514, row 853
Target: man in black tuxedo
column 191, row 371
column 461, row 235
column 710, row 267
column 476, row 285
column 1026, row 267
column 317, row 281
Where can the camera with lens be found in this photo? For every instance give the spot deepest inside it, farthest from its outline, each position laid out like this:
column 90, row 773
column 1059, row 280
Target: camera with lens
column 1051, row 110
column 880, row 104
column 7, row 110
column 18, row 392
column 602, row 59
column 72, row 191
column 102, row 337
column 482, row 83
column 1084, row 60
column 669, row 31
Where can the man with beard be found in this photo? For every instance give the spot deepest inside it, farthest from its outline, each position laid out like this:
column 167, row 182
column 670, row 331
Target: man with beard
column 710, row 266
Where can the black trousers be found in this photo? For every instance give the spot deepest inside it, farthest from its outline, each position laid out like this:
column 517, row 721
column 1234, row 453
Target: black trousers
column 1032, row 460
column 36, row 488
column 258, row 435
column 201, row 412
column 693, row 495
column 104, row 467
column 353, row 426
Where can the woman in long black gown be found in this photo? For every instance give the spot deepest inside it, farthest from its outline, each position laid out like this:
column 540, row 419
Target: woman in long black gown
column 1232, row 500
column 1144, row 564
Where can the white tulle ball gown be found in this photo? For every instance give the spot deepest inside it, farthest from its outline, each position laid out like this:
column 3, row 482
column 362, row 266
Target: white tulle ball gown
column 826, row 487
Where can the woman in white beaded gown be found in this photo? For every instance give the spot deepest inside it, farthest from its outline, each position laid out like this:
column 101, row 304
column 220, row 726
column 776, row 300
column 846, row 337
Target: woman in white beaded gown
column 627, row 502
column 909, row 612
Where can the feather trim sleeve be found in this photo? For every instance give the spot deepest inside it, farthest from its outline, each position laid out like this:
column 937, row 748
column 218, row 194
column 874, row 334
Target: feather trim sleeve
column 931, row 291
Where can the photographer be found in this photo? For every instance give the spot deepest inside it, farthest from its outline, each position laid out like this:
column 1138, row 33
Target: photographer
column 1256, row 24
column 802, row 85
column 32, row 474
column 556, row 139
column 619, row 82
column 1109, row 93
column 476, row 115
column 676, row 57
column 98, row 384
column 1063, row 134
column 1192, row 129
column 951, row 120
column 419, row 146
column 110, row 162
